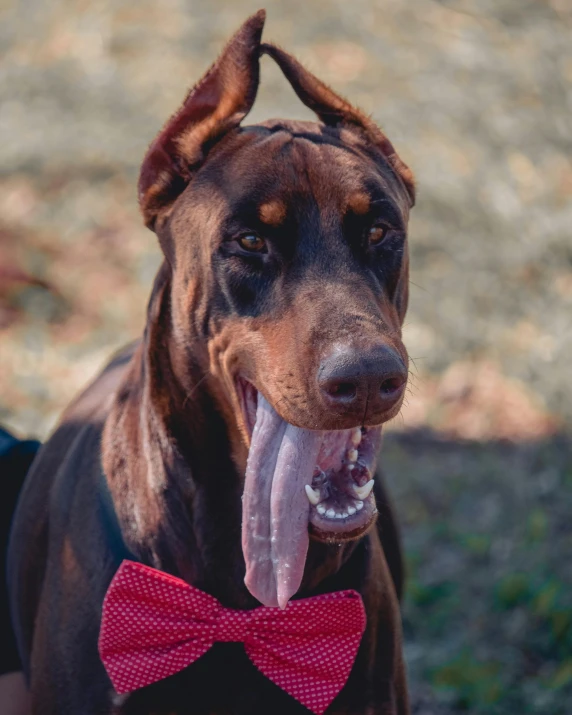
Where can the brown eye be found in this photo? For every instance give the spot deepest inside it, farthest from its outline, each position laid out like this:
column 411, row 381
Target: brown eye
column 376, row 235
column 252, row 243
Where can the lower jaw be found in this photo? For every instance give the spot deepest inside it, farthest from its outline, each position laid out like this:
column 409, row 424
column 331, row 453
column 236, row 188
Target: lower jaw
column 346, row 509
column 327, row 533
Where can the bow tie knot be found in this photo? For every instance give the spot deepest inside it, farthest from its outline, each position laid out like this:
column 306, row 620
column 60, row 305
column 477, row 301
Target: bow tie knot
column 231, row 626
column 155, row 625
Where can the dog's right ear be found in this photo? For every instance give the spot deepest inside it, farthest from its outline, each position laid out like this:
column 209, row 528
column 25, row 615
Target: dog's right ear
column 216, row 104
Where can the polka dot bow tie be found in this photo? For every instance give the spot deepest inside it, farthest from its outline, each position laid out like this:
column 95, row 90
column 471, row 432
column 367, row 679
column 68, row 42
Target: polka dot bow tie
column 154, row 625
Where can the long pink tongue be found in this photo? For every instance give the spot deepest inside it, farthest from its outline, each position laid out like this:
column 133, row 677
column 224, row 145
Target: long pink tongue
column 267, row 437
column 275, row 508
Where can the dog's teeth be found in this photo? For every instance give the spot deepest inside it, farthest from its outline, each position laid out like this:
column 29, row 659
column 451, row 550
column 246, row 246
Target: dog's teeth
column 364, row 492
column 331, row 514
column 321, row 509
column 339, row 515
column 352, row 455
column 351, row 466
column 356, row 437
column 359, row 505
column 351, row 510
column 313, row 495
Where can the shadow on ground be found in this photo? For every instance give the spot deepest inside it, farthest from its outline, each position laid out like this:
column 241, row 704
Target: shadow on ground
column 487, row 534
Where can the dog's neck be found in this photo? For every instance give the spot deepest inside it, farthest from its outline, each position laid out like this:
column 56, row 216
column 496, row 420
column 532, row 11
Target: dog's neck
column 168, row 462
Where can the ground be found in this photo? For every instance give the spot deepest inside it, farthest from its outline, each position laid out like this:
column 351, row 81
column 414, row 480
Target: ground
column 477, row 98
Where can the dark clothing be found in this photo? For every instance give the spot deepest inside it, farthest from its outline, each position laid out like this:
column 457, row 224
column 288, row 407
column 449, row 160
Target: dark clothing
column 16, row 456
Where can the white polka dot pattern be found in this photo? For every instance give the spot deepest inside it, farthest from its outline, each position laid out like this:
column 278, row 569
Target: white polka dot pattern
column 154, row 625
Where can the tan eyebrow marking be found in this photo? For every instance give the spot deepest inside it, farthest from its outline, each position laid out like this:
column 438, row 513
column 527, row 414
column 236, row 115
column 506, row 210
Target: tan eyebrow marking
column 272, row 212
column 359, row 203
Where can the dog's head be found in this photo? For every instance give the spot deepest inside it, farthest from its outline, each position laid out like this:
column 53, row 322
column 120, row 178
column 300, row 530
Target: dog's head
column 286, row 243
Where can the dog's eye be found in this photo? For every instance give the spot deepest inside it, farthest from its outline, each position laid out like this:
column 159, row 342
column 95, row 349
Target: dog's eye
column 252, row 243
column 376, row 234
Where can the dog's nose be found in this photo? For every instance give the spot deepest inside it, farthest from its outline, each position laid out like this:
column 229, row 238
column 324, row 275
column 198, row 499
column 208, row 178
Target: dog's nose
column 349, row 378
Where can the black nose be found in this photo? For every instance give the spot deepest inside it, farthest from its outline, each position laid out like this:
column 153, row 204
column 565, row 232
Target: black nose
column 355, row 379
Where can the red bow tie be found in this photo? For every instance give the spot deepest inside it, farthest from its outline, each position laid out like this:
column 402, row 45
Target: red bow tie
column 154, row 625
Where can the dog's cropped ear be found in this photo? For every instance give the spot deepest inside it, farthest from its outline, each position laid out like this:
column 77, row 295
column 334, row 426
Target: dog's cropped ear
column 216, row 104
column 334, row 110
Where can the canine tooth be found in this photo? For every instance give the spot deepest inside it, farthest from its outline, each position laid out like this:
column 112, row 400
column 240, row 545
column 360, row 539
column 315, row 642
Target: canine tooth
column 359, row 505
column 351, row 466
column 351, row 510
column 331, row 514
column 321, row 509
column 356, row 436
column 352, row 455
column 364, row 492
column 313, row 495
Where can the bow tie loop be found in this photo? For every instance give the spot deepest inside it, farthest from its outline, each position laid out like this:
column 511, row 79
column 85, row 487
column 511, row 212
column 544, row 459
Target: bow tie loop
column 155, row 625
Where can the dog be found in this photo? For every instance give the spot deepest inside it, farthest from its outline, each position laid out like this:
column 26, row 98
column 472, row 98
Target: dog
column 273, row 327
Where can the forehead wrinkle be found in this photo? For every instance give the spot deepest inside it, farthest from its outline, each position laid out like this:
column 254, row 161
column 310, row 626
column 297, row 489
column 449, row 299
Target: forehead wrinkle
column 336, row 169
column 343, row 169
column 312, row 169
column 337, row 180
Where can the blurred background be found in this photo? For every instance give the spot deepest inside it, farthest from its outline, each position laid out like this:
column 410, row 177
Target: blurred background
column 477, row 97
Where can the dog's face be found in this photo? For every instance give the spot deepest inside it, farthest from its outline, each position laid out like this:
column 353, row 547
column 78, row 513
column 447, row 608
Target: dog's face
column 302, row 262
column 287, row 244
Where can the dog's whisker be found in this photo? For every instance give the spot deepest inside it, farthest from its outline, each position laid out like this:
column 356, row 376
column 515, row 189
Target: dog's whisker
column 194, row 389
column 425, row 290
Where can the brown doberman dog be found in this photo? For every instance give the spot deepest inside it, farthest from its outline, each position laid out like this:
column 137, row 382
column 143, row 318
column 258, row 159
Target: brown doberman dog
column 271, row 357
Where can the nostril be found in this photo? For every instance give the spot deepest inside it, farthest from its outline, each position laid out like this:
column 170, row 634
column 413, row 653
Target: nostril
column 342, row 390
column 391, row 386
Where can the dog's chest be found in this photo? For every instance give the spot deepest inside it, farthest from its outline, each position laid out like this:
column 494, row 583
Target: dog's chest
column 222, row 682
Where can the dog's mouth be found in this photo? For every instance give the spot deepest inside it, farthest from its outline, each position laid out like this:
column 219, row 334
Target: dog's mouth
column 299, row 483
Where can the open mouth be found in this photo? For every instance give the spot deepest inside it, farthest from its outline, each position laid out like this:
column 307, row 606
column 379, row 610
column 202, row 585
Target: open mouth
column 342, row 503
column 299, row 483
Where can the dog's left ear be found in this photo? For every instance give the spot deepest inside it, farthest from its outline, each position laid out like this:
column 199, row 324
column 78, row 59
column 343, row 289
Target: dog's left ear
column 334, row 110
column 215, row 105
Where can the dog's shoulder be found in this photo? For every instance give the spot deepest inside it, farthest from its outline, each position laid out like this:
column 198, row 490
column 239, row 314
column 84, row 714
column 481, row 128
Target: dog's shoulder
column 73, row 449
column 68, row 460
